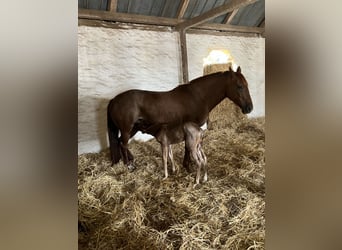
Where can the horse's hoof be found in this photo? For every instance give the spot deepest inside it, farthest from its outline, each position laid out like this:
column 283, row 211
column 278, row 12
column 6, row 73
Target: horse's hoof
column 165, row 178
column 195, row 185
column 130, row 167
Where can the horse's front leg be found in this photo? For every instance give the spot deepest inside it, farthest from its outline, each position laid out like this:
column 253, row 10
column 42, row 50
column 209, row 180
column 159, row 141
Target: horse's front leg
column 126, row 155
column 165, row 153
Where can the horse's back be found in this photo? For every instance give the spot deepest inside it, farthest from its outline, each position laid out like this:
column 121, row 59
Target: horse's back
column 174, row 106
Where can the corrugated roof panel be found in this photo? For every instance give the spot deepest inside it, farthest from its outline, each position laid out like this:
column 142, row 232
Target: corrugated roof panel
column 93, row 4
column 145, row 7
column 82, row 4
column 189, row 9
column 157, row 7
column 170, row 8
column 208, row 5
column 217, row 4
column 219, row 19
column 198, row 9
column 122, row 6
column 133, row 6
column 250, row 15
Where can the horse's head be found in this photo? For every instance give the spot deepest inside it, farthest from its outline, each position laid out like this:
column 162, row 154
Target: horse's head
column 238, row 91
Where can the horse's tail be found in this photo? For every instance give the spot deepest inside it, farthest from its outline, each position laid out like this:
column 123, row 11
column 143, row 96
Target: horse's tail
column 113, row 135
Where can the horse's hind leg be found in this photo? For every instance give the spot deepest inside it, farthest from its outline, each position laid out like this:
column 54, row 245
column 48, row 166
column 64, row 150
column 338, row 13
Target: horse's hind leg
column 132, row 133
column 126, row 155
column 130, row 156
column 186, row 160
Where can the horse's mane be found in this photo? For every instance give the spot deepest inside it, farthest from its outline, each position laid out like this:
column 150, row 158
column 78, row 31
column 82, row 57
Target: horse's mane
column 208, row 76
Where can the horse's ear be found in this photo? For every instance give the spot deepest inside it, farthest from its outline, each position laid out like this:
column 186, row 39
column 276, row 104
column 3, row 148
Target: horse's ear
column 230, row 68
column 238, row 70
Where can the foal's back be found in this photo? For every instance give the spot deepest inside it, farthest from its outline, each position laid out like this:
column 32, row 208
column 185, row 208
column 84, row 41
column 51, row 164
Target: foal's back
column 188, row 131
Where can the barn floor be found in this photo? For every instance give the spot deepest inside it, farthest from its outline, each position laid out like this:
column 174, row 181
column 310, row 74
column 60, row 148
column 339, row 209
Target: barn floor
column 123, row 210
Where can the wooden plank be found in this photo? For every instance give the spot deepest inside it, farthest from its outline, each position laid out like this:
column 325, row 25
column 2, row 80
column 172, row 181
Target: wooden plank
column 113, row 5
column 262, row 24
column 195, row 30
column 230, row 28
column 184, row 55
column 222, row 33
column 125, row 18
column 125, row 26
column 230, row 17
column 234, row 4
column 182, row 8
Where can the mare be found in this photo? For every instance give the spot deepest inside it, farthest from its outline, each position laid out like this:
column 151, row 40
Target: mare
column 192, row 134
column 147, row 111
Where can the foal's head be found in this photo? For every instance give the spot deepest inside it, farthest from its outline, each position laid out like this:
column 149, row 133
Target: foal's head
column 238, row 91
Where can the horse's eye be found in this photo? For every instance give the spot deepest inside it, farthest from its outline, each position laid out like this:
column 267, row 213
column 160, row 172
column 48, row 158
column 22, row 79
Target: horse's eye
column 239, row 87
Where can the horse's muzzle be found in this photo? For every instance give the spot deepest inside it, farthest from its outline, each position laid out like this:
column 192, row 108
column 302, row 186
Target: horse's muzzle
column 247, row 109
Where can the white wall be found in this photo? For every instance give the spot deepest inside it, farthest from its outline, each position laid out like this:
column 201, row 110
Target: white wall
column 111, row 61
column 248, row 53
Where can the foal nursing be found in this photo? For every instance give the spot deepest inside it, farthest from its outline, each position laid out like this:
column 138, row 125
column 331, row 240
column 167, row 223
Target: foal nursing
column 192, row 134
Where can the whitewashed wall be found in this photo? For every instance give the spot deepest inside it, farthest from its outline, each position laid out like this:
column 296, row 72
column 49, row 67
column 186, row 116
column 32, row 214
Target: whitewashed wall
column 111, row 61
column 247, row 52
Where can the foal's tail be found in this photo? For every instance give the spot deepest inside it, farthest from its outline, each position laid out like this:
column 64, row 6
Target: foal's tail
column 113, row 134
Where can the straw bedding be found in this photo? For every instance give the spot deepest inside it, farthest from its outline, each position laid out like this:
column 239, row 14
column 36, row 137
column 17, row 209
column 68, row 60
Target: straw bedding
column 137, row 210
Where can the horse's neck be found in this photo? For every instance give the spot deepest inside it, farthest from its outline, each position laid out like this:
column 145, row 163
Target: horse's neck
column 213, row 91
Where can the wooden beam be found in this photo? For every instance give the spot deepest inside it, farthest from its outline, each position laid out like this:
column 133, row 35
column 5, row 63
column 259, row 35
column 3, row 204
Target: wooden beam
column 195, row 30
column 125, row 18
column 184, row 56
column 218, row 11
column 160, row 21
column 126, row 26
column 222, row 33
column 182, row 8
column 230, row 28
column 112, row 5
column 230, row 17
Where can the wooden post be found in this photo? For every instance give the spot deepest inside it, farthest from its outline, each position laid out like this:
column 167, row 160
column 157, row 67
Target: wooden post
column 184, row 56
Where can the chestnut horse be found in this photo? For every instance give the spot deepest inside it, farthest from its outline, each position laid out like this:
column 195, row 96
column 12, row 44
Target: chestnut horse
column 146, row 111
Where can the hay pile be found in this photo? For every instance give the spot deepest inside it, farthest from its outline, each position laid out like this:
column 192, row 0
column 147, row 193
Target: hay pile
column 123, row 210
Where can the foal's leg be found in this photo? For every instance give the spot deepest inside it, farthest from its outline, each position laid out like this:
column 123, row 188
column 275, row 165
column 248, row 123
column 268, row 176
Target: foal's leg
column 171, row 159
column 204, row 163
column 197, row 159
column 165, row 153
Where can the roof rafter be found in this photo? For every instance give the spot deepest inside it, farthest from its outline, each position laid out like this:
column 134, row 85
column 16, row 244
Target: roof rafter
column 182, row 8
column 230, row 17
column 218, row 11
column 112, row 5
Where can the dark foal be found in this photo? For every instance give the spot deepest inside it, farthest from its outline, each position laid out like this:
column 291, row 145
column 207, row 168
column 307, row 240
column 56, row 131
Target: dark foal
column 192, row 134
